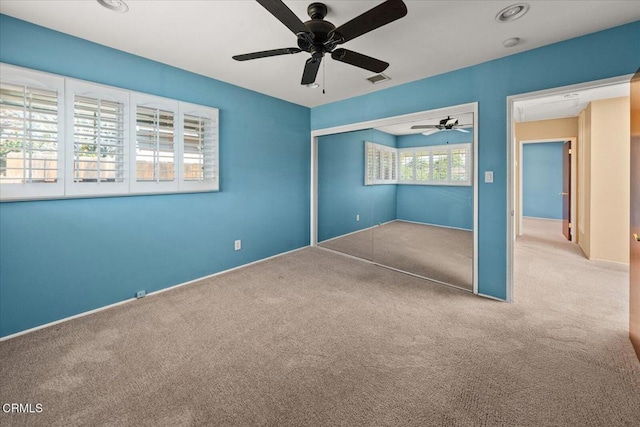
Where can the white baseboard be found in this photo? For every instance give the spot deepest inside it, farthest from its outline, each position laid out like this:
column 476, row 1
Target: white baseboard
column 357, row 231
column 540, row 218
column 434, row 225
column 159, row 291
column 491, row 297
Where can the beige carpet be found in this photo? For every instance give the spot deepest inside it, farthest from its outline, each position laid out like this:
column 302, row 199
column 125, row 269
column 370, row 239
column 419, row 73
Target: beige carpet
column 314, row 338
column 438, row 253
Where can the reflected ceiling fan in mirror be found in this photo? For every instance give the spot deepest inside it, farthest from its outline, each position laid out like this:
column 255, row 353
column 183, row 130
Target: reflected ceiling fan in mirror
column 445, row 124
column 318, row 36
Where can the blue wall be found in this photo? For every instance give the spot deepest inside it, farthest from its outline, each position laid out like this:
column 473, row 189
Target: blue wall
column 605, row 54
column 542, row 180
column 60, row 258
column 341, row 191
column 447, row 205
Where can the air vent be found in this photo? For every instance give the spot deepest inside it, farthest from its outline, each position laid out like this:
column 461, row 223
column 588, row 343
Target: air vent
column 378, row 78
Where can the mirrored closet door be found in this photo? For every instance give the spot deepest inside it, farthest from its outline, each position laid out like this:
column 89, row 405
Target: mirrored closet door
column 402, row 196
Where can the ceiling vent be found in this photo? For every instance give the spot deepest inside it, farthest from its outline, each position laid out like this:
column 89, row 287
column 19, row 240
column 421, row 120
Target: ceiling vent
column 378, row 78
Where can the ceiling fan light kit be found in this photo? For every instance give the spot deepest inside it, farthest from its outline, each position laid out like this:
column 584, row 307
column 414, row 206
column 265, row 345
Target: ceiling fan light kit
column 319, row 37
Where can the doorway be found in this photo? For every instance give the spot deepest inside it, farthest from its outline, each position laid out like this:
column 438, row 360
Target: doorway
column 567, row 100
column 546, row 181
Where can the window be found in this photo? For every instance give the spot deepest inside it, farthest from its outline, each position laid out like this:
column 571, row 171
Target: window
column 422, row 162
column 406, row 166
column 98, row 140
column 436, row 165
column 62, row 137
column 155, row 148
column 30, row 134
column 200, row 156
column 96, row 123
column 154, row 155
column 432, row 165
column 381, row 164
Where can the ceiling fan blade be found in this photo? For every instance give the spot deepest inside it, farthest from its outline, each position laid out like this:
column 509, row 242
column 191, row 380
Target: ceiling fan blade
column 423, row 126
column 431, row 131
column 380, row 15
column 462, row 130
column 266, row 53
column 311, row 70
column 278, row 9
column 359, row 60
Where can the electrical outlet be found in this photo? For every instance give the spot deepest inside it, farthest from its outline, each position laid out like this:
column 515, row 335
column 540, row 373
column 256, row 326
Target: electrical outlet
column 358, row 217
column 237, row 245
column 141, row 294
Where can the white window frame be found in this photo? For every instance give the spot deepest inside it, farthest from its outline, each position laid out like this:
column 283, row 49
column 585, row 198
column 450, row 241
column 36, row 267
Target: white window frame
column 370, row 148
column 65, row 187
column 431, row 149
column 92, row 90
column 37, row 80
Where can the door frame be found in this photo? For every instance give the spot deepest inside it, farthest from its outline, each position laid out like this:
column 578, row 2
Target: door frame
column 420, row 115
column 511, row 142
column 574, row 178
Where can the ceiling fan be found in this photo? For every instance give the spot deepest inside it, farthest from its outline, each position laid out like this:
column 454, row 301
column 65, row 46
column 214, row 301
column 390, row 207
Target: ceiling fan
column 318, row 36
column 445, row 124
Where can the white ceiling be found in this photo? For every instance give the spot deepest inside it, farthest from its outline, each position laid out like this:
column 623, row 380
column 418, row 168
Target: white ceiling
column 564, row 105
column 435, row 37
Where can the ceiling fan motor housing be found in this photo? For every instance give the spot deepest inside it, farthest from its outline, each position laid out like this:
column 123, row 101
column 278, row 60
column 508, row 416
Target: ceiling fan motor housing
column 320, row 29
column 317, row 10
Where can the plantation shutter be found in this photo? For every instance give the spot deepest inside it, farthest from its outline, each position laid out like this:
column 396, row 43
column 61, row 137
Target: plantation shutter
column 98, row 140
column 29, row 134
column 460, row 163
column 423, row 165
column 155, row 149
column 369, row 154
column 439, row 164
column 381, row 164
column 394, row 165
column 200, row 139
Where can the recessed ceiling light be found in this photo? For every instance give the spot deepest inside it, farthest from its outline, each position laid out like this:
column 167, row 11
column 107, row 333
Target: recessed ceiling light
column 511, row 42
column 513, row 12
column 115, row 5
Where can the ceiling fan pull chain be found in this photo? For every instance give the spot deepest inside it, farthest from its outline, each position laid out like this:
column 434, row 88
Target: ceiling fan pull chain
column 324, row 65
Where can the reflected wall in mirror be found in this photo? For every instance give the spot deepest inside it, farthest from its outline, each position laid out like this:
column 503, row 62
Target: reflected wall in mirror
column 401, row 196
column 346, row 215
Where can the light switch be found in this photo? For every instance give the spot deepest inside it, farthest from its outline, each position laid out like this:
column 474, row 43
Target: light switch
column 488, row 176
